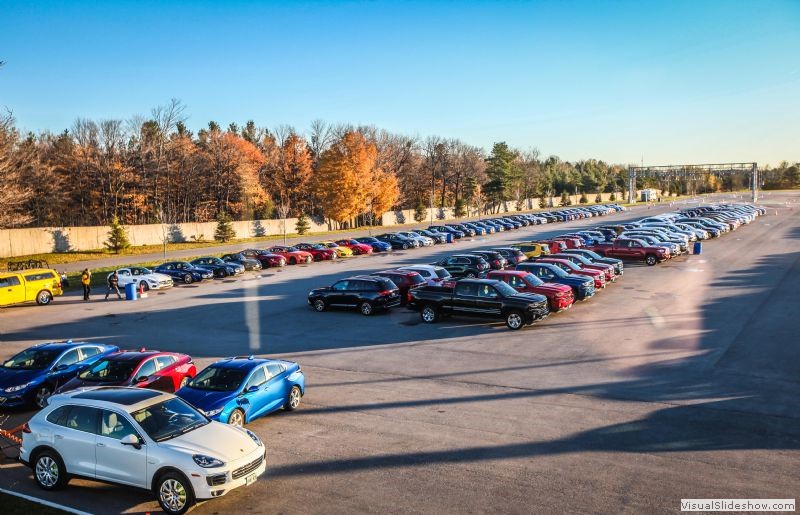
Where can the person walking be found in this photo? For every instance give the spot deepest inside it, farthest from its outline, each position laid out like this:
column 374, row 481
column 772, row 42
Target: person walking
column 113, row 285
column 86, row 281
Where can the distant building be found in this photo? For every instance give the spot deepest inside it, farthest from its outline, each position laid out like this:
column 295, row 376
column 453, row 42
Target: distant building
column 649, row 195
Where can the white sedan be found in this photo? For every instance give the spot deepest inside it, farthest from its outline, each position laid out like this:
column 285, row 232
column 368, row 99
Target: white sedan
column 141, row 438
column 145, row 277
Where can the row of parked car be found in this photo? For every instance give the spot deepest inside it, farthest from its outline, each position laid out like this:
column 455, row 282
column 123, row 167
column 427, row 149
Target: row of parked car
column 109, row 415
column 524, row 282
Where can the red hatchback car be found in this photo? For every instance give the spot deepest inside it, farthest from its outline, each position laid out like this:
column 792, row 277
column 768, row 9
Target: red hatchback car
column 319, row 251
column 571, row 268
column 292, row 255
column 559, row 296
column 357, row 247
column 165, row 371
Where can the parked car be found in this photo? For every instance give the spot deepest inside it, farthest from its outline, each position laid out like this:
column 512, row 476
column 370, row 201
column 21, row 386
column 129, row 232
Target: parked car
column 341, row 251
column 319, row 251
column 495, row 259
column 249, row 264
column 594, row 257
column 532, row 249
column 447, row 229
column 292, row 255
column 38, row 285
column 632, row 249
column 559, row 296
column 144, row 278
column 356, row 246
column 185, row 272
column 267, row 258
column 31, row 376
column 405, row 280
column 582, row 287
column 238, row 390
column 587, row 264
column 482, row 298
column 376, row 244
column 150, row 440
column 423, row 241
column 464, row 265
column 513, row 255
column 219, row 267
column 432, row 274
column 436, row 236
column 571, row 268
column 462, row 228
column 165, row 371
column 367, row 293
column 398, row 241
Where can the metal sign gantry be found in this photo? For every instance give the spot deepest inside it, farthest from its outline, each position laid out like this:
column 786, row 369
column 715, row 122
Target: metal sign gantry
column 691, row 171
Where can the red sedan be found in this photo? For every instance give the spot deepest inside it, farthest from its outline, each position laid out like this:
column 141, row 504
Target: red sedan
column 292, row 255
column 357, row 247
column 559, row 296
column 267, row 259
column 165, row 371
column 571, row 268
column 319, row 251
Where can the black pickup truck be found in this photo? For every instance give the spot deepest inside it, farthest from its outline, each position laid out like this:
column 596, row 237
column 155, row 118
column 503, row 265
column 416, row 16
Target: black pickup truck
column 482, row 298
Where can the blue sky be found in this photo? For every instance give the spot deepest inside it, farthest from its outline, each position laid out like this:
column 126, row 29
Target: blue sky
column 669, row 82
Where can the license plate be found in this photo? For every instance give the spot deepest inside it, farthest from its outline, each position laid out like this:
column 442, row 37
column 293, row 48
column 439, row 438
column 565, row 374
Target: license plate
column 250, row 479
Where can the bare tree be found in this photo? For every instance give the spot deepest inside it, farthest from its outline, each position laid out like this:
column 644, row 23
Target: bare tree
column 14, row 192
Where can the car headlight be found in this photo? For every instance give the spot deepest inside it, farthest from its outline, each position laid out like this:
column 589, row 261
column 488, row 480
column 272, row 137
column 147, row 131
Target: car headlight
column 17, row 388
column 213, row 412
column 207, row 462
column 254, row 437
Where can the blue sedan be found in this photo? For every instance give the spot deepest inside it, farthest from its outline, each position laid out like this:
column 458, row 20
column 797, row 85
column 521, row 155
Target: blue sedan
column 241, row 389
column 31, row 376
column 376, row 244
column 183, row 271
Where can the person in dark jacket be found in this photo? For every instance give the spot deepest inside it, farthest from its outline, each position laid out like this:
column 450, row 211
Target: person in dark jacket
column 113, row 285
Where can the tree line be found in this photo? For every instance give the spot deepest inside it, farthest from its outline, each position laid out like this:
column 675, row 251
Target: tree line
column 155, row 170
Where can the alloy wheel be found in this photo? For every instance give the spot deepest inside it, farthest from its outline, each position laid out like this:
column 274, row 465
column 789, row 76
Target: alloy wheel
column 173, row 494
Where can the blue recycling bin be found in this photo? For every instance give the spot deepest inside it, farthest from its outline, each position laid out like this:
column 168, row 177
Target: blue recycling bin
column 131, row 293
column 449, row 236
column 698, row 247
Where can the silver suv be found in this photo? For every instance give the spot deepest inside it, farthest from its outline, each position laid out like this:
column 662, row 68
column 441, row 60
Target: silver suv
column 142, row 438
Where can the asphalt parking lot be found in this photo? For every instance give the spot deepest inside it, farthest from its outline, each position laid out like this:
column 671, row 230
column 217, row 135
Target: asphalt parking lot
column 678, row 381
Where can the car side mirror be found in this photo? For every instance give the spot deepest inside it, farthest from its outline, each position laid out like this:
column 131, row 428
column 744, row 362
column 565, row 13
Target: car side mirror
column 142, row 379
column 131, row 440
column 59, row 368
column 252, row 389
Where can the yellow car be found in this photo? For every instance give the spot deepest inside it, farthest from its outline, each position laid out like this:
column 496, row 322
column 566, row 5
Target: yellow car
column 39, row 285
column 340, row 251
column 532, row 249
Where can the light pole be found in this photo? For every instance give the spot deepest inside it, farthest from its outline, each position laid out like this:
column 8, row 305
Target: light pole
column 433, row 179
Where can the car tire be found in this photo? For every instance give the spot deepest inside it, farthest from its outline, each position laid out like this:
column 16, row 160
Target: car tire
column 41, row 395
column 144, row 286
column 405, row 246
column 188, row 279
column 319, row 306
column 365, row 308
column 49, row 471
column 44, row 298
column 292, row 261
column 429, row 314
column 174, row 493
column 293, row 399
column 236, row 418
column 515, row 320
column 650, row 259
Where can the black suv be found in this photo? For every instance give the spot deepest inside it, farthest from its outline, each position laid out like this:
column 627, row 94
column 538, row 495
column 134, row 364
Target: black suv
column 365, row 292
column 495, row 259
column 464, row 265
column 513, row 256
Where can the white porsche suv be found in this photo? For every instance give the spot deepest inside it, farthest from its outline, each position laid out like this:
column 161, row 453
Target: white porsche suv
column 141, row 438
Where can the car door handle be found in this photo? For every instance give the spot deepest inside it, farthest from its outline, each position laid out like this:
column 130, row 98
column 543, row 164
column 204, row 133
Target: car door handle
column 100, row 444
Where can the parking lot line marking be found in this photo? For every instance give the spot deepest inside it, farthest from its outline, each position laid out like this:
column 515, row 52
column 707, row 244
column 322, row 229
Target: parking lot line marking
column 45, row 503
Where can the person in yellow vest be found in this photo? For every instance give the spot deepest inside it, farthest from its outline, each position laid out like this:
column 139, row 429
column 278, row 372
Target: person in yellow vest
column 86, row 281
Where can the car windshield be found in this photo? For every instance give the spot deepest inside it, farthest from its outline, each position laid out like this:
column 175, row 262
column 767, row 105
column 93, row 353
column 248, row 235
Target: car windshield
column 169, row 419
column 592, row 254
column 533, row 280
column 219, row 379
column 140, row 271
column 32, row 359
column 416, row 279
column 442, row 273
column 504, row 289
column 109, row 370
column 558, row 271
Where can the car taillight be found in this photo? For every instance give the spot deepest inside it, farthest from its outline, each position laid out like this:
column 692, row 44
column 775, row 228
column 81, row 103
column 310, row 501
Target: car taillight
column 384, row 293
column 26, row 428
column 496, row 262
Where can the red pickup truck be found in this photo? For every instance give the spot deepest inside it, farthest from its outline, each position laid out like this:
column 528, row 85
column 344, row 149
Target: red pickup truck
column 633, row 250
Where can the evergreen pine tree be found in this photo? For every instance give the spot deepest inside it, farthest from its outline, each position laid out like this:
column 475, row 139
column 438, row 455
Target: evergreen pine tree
column 302, row 226
column 613, row 197
column 117, row 237
column 420, row 212
column 598, row 199
column 224, row 231
column 542, row 202
column 460, row 208
column 565, row 200
column 583, row 199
